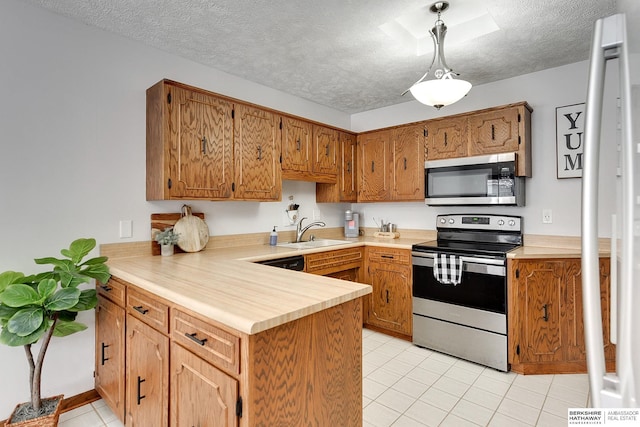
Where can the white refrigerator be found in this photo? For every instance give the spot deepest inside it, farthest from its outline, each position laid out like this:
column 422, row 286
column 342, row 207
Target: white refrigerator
column 615, row 49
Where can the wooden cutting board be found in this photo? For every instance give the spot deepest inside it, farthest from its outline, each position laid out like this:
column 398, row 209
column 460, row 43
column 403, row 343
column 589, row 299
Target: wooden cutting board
column 160, row 221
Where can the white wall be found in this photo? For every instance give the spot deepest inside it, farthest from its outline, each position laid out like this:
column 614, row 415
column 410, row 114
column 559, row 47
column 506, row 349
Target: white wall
column 72, row 162
column 544, row 91
column 73, row 157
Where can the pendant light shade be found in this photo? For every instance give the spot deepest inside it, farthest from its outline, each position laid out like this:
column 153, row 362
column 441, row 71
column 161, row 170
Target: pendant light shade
column 442, row 89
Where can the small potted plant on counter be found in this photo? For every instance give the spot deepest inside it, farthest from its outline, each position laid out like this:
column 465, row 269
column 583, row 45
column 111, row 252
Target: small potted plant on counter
column 167, row 239
column 37, row 307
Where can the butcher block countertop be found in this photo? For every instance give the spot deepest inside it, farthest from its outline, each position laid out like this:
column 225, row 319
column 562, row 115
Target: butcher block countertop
column 223, row 283
column 247, row 297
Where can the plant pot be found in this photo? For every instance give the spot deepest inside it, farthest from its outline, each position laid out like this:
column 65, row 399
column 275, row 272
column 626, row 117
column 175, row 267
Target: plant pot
column 166, row 250
column 48, row 420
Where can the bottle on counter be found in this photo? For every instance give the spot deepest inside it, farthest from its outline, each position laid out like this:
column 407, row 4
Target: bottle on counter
column 273, row 237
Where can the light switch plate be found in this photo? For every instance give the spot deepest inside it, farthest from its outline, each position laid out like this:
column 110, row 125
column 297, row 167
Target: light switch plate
column 126, row 228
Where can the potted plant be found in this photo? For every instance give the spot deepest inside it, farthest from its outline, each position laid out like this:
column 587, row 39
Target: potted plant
column 167, row 238
column 37, row 307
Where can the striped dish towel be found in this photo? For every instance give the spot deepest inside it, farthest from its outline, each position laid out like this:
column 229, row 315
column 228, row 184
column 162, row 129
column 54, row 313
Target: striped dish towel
column 447, row 269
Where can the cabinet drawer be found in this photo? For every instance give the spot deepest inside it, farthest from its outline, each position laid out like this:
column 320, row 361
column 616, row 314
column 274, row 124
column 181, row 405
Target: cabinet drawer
column 402, row 256
column 113, row 290
column 330, row 261
column 148, row 309
column 213, row 344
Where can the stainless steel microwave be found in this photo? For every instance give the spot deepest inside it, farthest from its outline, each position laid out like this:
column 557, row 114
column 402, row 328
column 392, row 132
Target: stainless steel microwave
column 477, row 180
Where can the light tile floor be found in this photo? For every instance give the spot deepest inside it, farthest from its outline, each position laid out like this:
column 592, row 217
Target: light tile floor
column 409, row 386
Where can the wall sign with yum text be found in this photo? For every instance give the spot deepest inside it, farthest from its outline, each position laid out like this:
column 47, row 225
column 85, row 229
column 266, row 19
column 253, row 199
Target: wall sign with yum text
column 569, row 137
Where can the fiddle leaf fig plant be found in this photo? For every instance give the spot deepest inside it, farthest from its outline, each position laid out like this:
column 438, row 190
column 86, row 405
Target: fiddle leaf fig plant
column 39, row 306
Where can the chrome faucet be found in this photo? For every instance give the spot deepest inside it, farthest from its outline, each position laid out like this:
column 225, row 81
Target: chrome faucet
column 300, row 230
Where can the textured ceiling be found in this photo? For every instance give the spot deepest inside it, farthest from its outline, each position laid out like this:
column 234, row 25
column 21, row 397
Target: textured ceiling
column 333, row 51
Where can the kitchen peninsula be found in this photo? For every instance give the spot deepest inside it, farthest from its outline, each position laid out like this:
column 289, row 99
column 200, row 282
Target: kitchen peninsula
column 194, row 340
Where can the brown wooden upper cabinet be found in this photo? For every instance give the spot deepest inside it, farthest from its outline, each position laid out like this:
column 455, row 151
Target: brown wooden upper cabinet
column 446, row 138
column 391, row 164
column 310, row 152
column 346, row 189
column 503, row 129
column 204, row 146
column 374, row 154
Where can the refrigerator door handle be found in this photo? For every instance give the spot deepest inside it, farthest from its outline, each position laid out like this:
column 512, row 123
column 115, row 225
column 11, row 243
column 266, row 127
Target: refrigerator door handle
column 607, row 390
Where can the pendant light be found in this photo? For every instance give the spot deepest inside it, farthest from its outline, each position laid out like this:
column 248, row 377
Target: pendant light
column 443, row 89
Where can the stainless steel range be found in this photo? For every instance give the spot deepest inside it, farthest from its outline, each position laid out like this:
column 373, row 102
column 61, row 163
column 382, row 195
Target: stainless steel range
column 460, row 287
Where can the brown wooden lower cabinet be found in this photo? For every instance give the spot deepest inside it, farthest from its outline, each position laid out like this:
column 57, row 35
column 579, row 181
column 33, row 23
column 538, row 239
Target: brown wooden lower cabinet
column 147, row 378
column 389, row 307
column 110, row 344
column 304, row 372
column 344, row 264
column 546, row 332
column 201, row 394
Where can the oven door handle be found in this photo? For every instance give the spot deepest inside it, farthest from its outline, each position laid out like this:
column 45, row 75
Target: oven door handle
column 469, row 264
column 478, row 260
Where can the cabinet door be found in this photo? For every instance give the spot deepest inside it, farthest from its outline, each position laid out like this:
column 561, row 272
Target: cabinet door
column 200, row 132
column 201, row 394
column 257, row 142
column 539, row 294
column 110, row 345
column 147, row 375
column 493, row 132
column 408, row 165
column 373, row 166
column 348, row 182
column 576, row 348
column 446, row 138
column 325, row 150
column 389, row 274
column 296, row 145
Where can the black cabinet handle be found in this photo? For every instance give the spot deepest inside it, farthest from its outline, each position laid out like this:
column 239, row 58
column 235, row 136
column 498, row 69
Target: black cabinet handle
column 445, row 139
column 106, row 288
column 387, row 296
column 140, row 396
column 386, row 256
column 194, row 338
column 349, row 167
column 140, row 310
column 545, row 316
column 103, row 359
column 373, row 166
column 259, row 152
column 327, row 150
column 204, row 145
column 298, row 145
column 405, row 163
column 493, row 132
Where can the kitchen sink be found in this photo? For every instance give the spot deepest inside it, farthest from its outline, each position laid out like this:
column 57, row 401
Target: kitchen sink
column 311, row 244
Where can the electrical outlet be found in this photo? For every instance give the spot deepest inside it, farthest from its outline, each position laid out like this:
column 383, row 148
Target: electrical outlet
column 547, row 216
column 316, row 216
column 126, row 228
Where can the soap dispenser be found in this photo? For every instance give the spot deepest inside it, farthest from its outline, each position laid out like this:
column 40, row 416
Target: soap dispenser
column 273, row 237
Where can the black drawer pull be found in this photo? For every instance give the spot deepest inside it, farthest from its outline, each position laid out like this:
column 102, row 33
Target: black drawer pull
column 386, row 256
column 106, row 288
column 140, row 396
column 194, row 338
column 103, row 359
column 140, row 310
column 545, row 316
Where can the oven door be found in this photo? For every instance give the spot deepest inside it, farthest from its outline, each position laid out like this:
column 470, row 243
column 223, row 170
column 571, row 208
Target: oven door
column 483, row 284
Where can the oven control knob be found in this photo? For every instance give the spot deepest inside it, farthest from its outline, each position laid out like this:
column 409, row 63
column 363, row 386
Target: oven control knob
column 501, row 222
column 443, row 221
column 451, row 221
column 512, row 222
